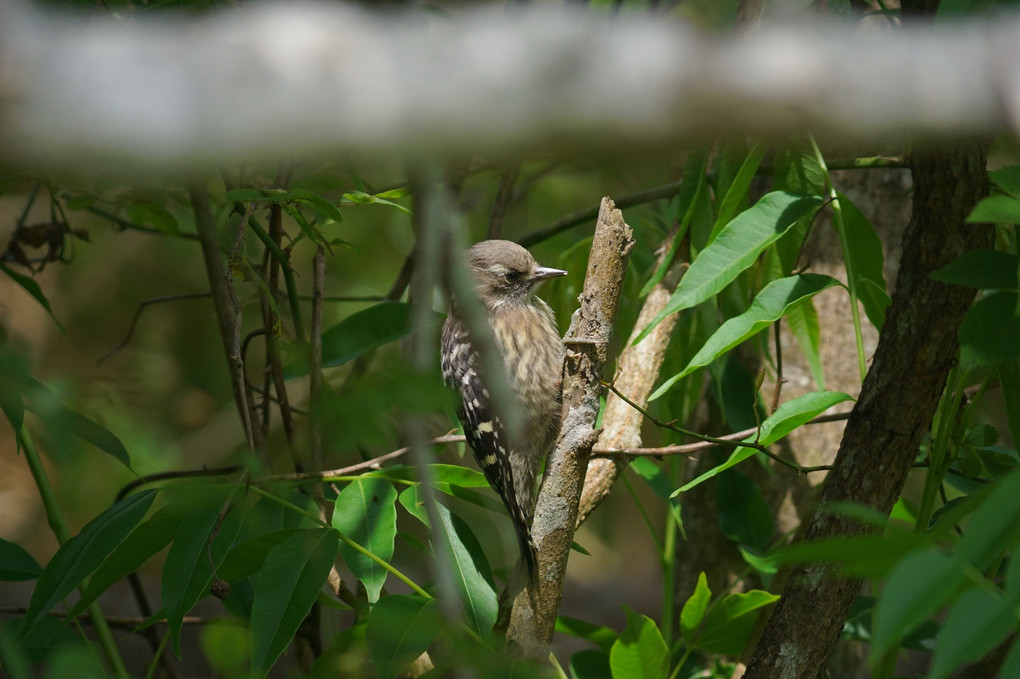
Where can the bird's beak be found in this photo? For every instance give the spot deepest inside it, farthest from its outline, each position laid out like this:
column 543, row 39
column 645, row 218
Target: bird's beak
column 543, row 272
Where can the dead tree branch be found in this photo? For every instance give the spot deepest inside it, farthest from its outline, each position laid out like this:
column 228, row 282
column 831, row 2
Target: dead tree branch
column 534, row 613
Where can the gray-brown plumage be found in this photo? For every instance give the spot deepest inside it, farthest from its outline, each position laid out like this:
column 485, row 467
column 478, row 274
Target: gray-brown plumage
column 505, row 276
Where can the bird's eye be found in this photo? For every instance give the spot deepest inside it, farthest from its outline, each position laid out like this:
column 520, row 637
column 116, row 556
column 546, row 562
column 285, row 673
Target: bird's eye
column 512, row 276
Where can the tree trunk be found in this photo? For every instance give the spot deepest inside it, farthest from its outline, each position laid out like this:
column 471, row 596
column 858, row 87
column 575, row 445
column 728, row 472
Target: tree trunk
column 915, row 352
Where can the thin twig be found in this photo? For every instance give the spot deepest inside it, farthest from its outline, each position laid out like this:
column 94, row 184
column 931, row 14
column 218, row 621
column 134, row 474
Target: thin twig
column 777, row 392
column 176, row 474
column 128, row 623
column 128, row 225
column 712, row 439
column 226, row 307
column 504, row 196
column 669, row 190
column 138, row 312
column 366, row 465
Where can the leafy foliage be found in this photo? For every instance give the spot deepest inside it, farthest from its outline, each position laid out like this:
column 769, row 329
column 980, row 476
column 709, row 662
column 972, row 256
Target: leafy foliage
column 335, row 573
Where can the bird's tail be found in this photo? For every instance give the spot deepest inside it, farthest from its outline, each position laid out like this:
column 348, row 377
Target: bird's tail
column 529, row 554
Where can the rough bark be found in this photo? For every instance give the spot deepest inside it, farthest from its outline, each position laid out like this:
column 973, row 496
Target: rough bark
column 900, row 393
column 534, row 613
column 636, row 372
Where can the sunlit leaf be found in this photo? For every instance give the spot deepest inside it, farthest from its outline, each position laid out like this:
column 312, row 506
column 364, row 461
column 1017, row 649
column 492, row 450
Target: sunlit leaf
column 865, row 260
column 640, row 652
column 787, row 417
column 735, row 248
column 729, row 623
column 996, row 210
column 694, row 608
column 803, row 323
column 773, row 301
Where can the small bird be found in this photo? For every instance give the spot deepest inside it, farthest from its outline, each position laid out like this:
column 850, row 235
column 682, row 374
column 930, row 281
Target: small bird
column 505, row 277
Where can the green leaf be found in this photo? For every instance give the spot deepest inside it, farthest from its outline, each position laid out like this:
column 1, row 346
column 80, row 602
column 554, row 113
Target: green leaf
column 1007, row 179
column 693, row 191
column 694, row 609
column 448, row 474
column 362, row 198
column 990, row 333
column 31, row 287
column 866, row 260
column 743, row 514
column 156, row 216
column 735, row 248
column 919, row 586
column 400, row 628
column 590, row 664
column 44, row 403
column 976, row 623
column 773, row 302
column 996, row 210
column 97, row 435
column 864, row 556
column 660, row 485
column 640, row 652
column 142, row 544
column 995, row 526
column 84, row 553
column 187, row 573
column 729, row 623
column 787, row 417
column 365, row 512
column 981, row 269
column 360, row 333
column 1009, row 381
column 736, row 194
column 796, row 412
column 15, row 379
column 16, row 564
column 247, row 557
column 326, row 210
column 1011, row 665
column 285, row 589
column 803, row 322
column 601, row 636
column 471, row 573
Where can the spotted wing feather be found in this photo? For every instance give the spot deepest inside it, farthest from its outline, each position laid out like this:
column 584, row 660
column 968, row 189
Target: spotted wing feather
column 484, row 431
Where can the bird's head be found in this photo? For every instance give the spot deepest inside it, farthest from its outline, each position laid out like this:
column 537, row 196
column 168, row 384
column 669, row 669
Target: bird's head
column 505, row 273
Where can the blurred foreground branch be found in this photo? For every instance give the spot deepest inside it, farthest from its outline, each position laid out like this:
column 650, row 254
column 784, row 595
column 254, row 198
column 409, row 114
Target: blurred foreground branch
column 164, row 94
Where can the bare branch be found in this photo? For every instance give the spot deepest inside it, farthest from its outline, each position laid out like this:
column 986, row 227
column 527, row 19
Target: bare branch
column 534, row 612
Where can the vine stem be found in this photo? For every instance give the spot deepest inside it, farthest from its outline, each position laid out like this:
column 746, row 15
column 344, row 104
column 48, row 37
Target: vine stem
column 844, row 242
column 712, row 439
column 55, row 518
